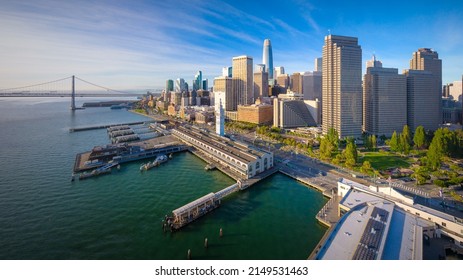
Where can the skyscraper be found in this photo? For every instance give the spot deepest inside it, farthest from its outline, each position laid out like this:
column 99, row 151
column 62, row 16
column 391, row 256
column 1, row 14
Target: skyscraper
column 179, row 85
column 384, row 99
column 424, row 106
column 267, row 58
column 260, row 84
column 243, row 86
column 224, row 85
column 318, row 65
column 198, row 81
column 279, row 70
column 342, row 86
column 295, row 83
column 169, row 85
column 428, row 60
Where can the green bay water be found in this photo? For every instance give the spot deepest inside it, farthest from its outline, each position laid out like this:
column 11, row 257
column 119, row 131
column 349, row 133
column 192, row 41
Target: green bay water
column 43, row 215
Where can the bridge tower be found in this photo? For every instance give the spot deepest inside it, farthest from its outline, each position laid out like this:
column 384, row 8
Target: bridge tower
column 73, row 95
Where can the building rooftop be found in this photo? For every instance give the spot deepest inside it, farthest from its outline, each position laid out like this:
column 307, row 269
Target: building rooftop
column 233, row 149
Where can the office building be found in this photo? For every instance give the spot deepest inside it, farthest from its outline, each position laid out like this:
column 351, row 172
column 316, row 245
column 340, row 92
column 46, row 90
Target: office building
column 290, row 110
column 424, row 106
column 180, row 85
column 225, row 85
column 295, row 83
column 384, row 100
column 243, row 85
column 283, row 81
column 256, row 113
column 318, row 64
column 374, row 63
column 198, row 81
column 312, row 85
column 267, row 58
column 342, row 86
column 169, row 85
column 260, row 84
column 279, row 70
column 428, row 60
column 227, row 72
column 259, row 68
column 205, row 84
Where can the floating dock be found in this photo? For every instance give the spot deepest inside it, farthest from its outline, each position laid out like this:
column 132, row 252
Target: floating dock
column 203, row 205
column 77, row 129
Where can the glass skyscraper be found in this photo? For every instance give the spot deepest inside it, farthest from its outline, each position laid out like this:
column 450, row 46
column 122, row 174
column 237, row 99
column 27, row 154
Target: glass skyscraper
column 267, row 58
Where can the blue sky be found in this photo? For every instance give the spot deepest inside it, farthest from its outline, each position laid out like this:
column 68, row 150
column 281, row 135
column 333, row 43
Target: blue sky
column 140, row 44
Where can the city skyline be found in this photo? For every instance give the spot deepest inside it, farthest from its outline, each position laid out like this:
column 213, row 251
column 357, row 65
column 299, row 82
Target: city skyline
column 142, row 45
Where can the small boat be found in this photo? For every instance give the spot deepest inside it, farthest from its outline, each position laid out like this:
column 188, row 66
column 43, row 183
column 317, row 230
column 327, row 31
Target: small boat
column 160, row 159
column 210, row 167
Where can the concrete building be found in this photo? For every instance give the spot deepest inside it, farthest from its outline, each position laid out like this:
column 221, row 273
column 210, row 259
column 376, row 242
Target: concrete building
column 243, row 85
column 289, row 110
column 258, row 68
column 374, row 63
column 428, row 60
column 256, row 113
column 243, row 160
column 295, row 83
column 283, row 81
column 384, row 223
column 260, row 84
column 342, row 86
column 227, row 71
column 451, row 111
column 456, row 90
column 225, row 85
column 180, row 85
column 318, row 64
column 312, row 85
column 424, row 106
column 384, row 100
column 278, row 70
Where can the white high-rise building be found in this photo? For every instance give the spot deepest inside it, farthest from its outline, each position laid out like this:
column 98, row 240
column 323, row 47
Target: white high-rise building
column 342, row 86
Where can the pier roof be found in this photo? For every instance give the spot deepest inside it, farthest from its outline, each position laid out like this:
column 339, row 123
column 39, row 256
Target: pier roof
column 193, row 204
column 228, row 147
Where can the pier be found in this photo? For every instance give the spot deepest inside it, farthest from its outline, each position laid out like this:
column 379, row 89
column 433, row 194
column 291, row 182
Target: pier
column 84, row 128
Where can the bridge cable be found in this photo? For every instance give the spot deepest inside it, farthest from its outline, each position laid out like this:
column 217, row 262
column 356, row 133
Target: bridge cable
column 36, row 85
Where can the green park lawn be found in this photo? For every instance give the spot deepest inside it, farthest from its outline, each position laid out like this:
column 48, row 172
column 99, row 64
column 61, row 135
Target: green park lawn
column 382, row 161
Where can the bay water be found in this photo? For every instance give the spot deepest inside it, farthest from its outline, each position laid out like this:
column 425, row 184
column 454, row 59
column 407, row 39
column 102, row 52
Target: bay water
column 43, row 215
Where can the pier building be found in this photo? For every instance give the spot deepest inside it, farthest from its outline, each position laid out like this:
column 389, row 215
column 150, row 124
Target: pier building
column 245, row 160
column 384, row 223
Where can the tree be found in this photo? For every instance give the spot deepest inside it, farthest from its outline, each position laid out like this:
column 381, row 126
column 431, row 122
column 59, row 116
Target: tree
column 404, row 144
column 366, row 168
column 351, row 153
column 438, row 148
column 406, row 134
column 419, row 138
column 394, row 143
column 333, row 137
column 373, row 142
column 326, row 148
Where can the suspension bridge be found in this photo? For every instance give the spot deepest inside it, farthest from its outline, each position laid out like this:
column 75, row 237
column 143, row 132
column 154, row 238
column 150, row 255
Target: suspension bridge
column 65, row 87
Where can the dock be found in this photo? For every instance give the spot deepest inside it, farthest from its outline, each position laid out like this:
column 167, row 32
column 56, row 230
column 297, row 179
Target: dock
column 203, row 205
column 197, row 208
column 84, row 128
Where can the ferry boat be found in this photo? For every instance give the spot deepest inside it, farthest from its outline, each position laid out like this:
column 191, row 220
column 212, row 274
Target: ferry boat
column 160, row 159
column 210, row 167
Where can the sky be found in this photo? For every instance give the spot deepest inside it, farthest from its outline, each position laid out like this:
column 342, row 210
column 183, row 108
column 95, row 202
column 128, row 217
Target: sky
column 128, row 45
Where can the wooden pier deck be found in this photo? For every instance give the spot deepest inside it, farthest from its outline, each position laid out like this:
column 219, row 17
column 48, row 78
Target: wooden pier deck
column 83, row 128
